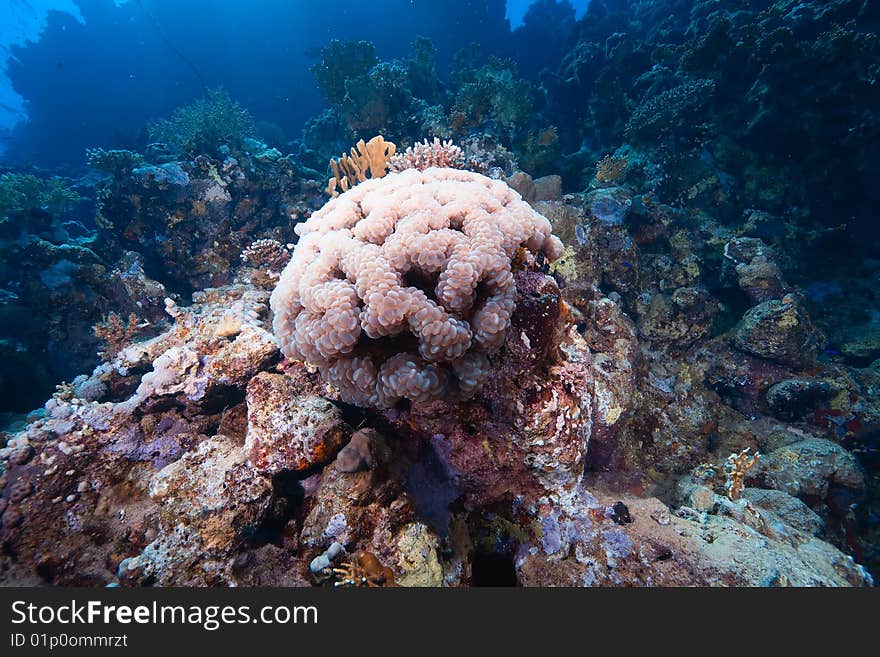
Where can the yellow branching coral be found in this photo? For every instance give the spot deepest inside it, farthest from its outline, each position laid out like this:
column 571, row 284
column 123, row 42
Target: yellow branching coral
column 364, row 569
column 736, row 468
column 611, row 168
column 370, row 157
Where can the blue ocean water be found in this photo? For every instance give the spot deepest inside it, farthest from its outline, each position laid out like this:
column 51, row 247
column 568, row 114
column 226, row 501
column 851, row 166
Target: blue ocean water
column 107, row 66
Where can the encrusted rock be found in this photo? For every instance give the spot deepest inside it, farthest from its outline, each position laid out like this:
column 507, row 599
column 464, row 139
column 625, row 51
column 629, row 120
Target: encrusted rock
column 417, row 550
column 792, row 398
column 610, row 205
column 209, row 501
column 362, row 452
column 288, row 430
column 685, row 549
column 780, row 330
column 524, row 184
column 354, row 508
column 808, row 468
column 750, row 264
column 213, row 491
column 548, row 188
column 788, row 509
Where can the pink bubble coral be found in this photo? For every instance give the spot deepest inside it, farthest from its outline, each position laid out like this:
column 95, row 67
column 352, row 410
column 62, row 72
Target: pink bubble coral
column 402, row 286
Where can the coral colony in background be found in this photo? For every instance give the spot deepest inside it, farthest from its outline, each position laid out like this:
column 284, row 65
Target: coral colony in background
column 615, row 325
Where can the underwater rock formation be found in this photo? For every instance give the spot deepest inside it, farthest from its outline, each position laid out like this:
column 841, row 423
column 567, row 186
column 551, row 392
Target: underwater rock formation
column 201, row 457
column 191, row 219
column 779, row 330
column 290, row 431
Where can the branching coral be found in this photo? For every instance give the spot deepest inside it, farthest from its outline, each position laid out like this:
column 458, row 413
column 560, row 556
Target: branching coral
column 369, row 96
column 370, row 158
column 735, row 470
column 117, row 333
column 428, row 154
column 539, row 151
column 495, row 93
column 116, row 163
column 364, row 569
column 268, row 253
column 402, row 286
column 22, row 192
column 204, row 124
column 485, row 155
column 611, row 168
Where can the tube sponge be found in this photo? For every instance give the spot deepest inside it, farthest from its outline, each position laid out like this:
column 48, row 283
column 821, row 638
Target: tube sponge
column 402, row 286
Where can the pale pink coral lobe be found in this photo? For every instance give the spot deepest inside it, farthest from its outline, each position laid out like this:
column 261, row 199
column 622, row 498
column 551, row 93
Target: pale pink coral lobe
column 402, row 286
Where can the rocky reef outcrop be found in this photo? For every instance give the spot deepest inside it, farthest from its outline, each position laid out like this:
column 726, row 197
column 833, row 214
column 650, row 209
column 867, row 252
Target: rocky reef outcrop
column 202, row 457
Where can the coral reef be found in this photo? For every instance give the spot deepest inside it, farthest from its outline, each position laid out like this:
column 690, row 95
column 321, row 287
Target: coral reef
column 594, row 453
column 67, row 265
column 23, row 193
column 149, row 473
column 624, row 333
column 191, row 219
column 407, row 101
column 116, row 163
column 341, row 61
column 493, row 94
column 56, row 285
column 367, row 96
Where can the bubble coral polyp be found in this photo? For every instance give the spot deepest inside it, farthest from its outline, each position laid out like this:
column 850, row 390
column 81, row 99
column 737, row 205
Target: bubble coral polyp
column 402, row 286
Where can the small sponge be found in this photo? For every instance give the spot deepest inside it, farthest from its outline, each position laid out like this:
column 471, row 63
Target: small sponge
column 401, row 286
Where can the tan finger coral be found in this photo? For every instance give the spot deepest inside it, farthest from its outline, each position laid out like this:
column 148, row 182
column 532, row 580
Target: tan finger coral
column 401, row 286
column 370, row 158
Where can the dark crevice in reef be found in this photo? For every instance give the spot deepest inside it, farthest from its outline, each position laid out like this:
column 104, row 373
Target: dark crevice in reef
column 433, row 489
column 734, row 303
column 493, row 569
column 124, row 386
column 353, row 415
column 220, row 398
column 284, row 512
column 426, row 284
